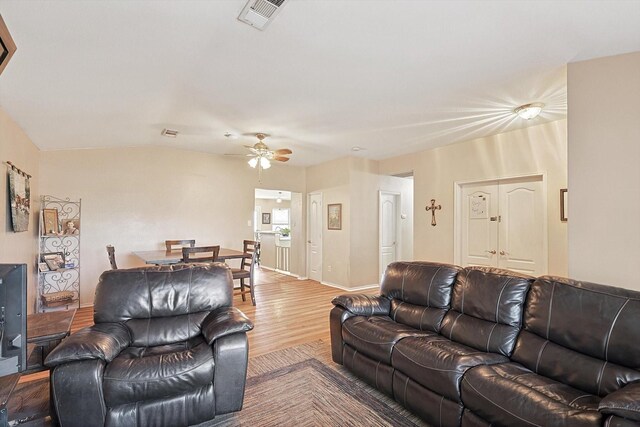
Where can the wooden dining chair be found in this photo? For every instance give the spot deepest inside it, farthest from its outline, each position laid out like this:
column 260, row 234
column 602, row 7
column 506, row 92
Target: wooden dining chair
column 111, row 252
column 247, row 269
column 200, row 254
column 179, row 244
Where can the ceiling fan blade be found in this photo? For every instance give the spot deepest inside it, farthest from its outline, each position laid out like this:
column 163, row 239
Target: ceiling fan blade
column 230, row 154
column 283, row 151
column 280, row 158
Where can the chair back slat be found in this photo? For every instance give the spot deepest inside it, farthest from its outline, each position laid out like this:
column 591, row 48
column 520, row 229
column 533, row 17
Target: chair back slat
column 179, row 244
column 200, row 254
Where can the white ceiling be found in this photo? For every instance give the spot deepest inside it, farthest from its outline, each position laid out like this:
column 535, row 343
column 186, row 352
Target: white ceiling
column 272, row 194
column 393, row 77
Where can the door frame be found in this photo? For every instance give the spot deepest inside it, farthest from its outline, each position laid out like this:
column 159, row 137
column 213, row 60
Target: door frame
column 398, row 198
column 308, row 239
column 457, row 213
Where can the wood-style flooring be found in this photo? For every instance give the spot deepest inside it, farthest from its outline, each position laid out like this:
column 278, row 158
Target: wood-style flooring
column 288, row 312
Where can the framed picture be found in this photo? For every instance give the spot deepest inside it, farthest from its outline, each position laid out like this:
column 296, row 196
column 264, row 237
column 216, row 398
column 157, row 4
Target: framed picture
column 563, row 204
column 266, row 218
column 42, row 267
column 70, row 226
column 54, row 260
column 334, row 216
column 50, row 221
column 7, row 45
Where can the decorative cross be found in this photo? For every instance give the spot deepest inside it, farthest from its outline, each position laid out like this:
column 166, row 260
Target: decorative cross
column 433, row 208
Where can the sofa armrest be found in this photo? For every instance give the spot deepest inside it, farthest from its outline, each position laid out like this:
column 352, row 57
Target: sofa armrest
column 364, row 305
column 623, row 403
column 224, row 321
column 102, row 341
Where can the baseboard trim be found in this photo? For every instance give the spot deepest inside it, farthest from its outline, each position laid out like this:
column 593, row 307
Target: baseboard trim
column 286, row 273
column 344, row 288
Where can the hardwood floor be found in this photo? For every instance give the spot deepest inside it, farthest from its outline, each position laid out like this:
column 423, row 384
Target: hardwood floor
column 289, row 312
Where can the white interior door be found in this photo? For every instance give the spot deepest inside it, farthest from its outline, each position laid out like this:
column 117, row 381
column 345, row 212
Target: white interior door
column 479, row 231
column 314, row 243
column 389, row 236
column 521, row 235
column 503, row 224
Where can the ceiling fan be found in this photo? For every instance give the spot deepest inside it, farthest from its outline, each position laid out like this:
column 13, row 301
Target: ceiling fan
column 261, row 155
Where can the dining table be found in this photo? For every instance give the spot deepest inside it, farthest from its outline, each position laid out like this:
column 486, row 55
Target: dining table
column 163, row 257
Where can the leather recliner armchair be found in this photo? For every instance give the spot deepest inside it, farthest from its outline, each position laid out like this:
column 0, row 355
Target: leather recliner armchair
column 167, row 349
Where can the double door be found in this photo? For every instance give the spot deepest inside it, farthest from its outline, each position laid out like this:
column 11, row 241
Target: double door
column 503, row 224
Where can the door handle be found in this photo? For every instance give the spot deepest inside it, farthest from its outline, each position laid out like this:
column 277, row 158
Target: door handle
column 308, row 241
column 503, row 253
column 492, row 252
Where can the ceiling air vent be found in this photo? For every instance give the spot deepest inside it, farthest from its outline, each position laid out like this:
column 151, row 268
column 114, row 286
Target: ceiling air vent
column 169, row 133
column 259, row 13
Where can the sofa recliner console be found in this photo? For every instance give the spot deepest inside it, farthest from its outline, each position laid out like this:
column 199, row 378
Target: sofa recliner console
column 480, row 346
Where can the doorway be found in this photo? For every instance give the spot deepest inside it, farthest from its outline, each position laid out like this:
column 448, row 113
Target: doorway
column 279, row 228
column 503, row 223
column 395, row 219
column 314, row 242
column 389, row 234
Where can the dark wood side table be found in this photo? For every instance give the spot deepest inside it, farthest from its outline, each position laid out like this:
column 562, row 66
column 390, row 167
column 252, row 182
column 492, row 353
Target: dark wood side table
column 44, row 333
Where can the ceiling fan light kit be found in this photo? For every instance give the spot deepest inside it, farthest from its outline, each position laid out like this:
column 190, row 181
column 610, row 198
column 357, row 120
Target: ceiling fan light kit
column 529, row 111
column 262, row 156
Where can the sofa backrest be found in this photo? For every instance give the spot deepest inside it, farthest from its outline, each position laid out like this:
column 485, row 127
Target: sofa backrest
column 486, row 309
column 162, row 305
column 420, row 292
column 582, row 334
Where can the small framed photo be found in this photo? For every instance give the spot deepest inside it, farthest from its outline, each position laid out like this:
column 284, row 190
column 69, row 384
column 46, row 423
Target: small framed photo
column 334, row 216
column 50, row 222
column 54, row 260
column 70, row 227
column 42, row 267
column 266, row 218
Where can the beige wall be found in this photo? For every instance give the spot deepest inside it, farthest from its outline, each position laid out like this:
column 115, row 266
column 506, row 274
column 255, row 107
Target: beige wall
column 604, row 170
column 536, row 149
column 135, row 198
column 16, row 147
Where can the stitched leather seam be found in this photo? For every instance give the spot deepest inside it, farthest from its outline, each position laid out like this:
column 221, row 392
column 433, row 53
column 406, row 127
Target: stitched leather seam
column 579, row 397
column 404, row 394
column 422, row 317
column 362, row 339
column 440, row 411
column 146, row 279
column 500, row 297
column 395, row 313
column 377, row 366
column 595, row 291
column 540, row 354
column 431, row 283
column 490, row 333
column 425, row 366
column 624, row 408
column 454, row 325
column 404, row 274
column 495, row 404
column 553, row 291
column 600, row 376
column 613, row 324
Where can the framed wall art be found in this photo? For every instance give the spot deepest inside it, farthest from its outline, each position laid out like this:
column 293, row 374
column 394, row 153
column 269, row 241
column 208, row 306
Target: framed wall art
column 266, row 218
column 334, row 216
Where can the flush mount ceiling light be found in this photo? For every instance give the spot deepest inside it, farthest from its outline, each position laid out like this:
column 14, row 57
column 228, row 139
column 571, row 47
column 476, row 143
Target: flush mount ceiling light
column 279, row 199
column 529, row 111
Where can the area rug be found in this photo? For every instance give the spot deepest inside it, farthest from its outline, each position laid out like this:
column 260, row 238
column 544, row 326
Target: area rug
column 301, row 386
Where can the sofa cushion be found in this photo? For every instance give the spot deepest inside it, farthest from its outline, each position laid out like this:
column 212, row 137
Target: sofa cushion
column 582, row 334
column 376, row 336
column 420, row 292
column 149, row 373
column 486, row 309
column 438, row 363
column 510, row 394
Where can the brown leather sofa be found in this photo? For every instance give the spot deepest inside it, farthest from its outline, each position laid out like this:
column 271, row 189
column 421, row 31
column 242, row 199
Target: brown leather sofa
column 479, row 346
column 167, row 349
